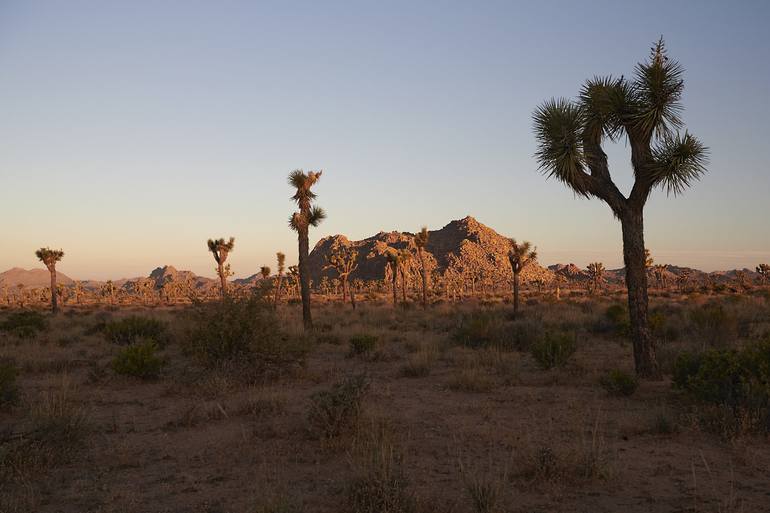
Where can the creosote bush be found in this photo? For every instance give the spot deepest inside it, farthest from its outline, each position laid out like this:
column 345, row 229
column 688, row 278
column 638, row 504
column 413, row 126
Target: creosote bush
column 362, row 344
column 335, row 411
column 139, row 360
column 243, row 332
column 714, row 325
column 618, row 382
column 133, row 328
column 736, row 384
column 25, row 324
column 486, row 328
column 554, row 349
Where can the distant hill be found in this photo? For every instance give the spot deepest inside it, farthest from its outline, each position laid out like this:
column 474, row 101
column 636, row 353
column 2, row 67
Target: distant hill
column 32, row 278
column 464, row 243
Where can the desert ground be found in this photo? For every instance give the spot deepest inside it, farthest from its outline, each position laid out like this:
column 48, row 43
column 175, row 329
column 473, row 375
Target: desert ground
column 381, row 409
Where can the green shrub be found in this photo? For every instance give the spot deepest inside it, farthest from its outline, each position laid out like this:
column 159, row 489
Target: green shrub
column 554, row 349
column 618, row 382
column 9, row 392
column 138, row 360
column 133, row 328
column 480, row 328
column 362, row 344
column 335, row 411
column 736, row 383
column 241, row 331
column 25, row 324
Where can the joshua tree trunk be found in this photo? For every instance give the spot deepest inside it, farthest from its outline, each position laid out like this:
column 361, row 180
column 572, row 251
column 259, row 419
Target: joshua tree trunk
column 395, row 287
column 352, row 298
column 222, row 279
column 424, row 279
column 515, row 294
column 403, row 286
column 278, row 290
column 304, row 276
column 636, row 280
column 344, row 279
column 54, row 299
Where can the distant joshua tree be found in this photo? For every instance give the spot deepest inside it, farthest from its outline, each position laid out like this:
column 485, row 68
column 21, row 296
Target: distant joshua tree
column 648, row 260
column 264, row 271
column 108, row 290
column 645, row 111
column 220, row 249
column 519, row 256
column 660, row 273
column 763, row 270
column 343, row 259
column 394, row 259
column 421, row 241
column 308, row 215
column 281, row 259
column 683, row 279
column 50, row 257
column 595, row 275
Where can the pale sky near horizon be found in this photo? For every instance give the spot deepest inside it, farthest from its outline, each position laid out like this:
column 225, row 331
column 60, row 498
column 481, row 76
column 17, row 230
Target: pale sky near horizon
column 131, row 132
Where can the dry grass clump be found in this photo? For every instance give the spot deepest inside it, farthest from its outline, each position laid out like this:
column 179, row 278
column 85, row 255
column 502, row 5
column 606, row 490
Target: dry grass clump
column 335, row 411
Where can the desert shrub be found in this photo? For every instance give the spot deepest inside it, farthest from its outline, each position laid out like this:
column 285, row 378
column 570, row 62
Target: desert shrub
column 379, row 483
column 335, row 411
column 9, row 391
column 362, row 344
column 554, row 349
column 714, row 325
column 418, row 365
column 243, row 331
column 24, row 324
column 139, row 360
column 618, row 382
column 735, row 383
column 615, row 321
column 490, row 329
column 133, row 328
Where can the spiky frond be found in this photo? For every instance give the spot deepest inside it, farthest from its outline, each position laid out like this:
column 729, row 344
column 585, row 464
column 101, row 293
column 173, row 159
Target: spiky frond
column 521, row 254
column 605, row 103
column 677, row 161
column 302, row 182
column 317, row 214
column 281, row 258
column 49, row 256
column 558, row 130
column 658, row 87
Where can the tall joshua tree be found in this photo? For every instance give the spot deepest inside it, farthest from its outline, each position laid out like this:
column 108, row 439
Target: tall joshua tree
column 50, row 257
column 308, row 215
column 393, row 260
column 281, row 260
column 421, row 240
column 519, row 256
column 646, row 110
column 220, row 249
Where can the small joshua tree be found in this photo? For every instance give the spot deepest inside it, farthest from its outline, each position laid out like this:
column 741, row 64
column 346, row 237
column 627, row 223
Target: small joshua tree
column 343, row 259
column 394, row 259
column 220, row 249
column 763, row 270
column 645, row 110
column 595, row 275
column 264, row 271
column 519, row 256
column 421, row 241
column 659, row 271
column 308, row 215
column 281, row 260
column 50, row 257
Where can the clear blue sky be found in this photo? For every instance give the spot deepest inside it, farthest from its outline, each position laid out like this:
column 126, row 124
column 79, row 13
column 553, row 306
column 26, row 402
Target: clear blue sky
column 130, row 132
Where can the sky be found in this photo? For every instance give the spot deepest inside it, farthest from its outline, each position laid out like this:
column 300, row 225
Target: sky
column 131, row 132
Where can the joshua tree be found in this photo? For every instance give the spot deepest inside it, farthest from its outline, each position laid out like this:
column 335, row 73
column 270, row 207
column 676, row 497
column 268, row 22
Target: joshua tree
column 648, row 260
column 308, row 215
column 49, row 257
column 683, row 280
column 108, row 289
column 393, row 259
column 519, row 256
column 220, row 249
column 763, row 270
column 596, row 274
column 281, row 258
column 264, row 271
column 344, row 259
column 645, row 110
column 421, row 240
column 294, row 276
column 659, row 271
